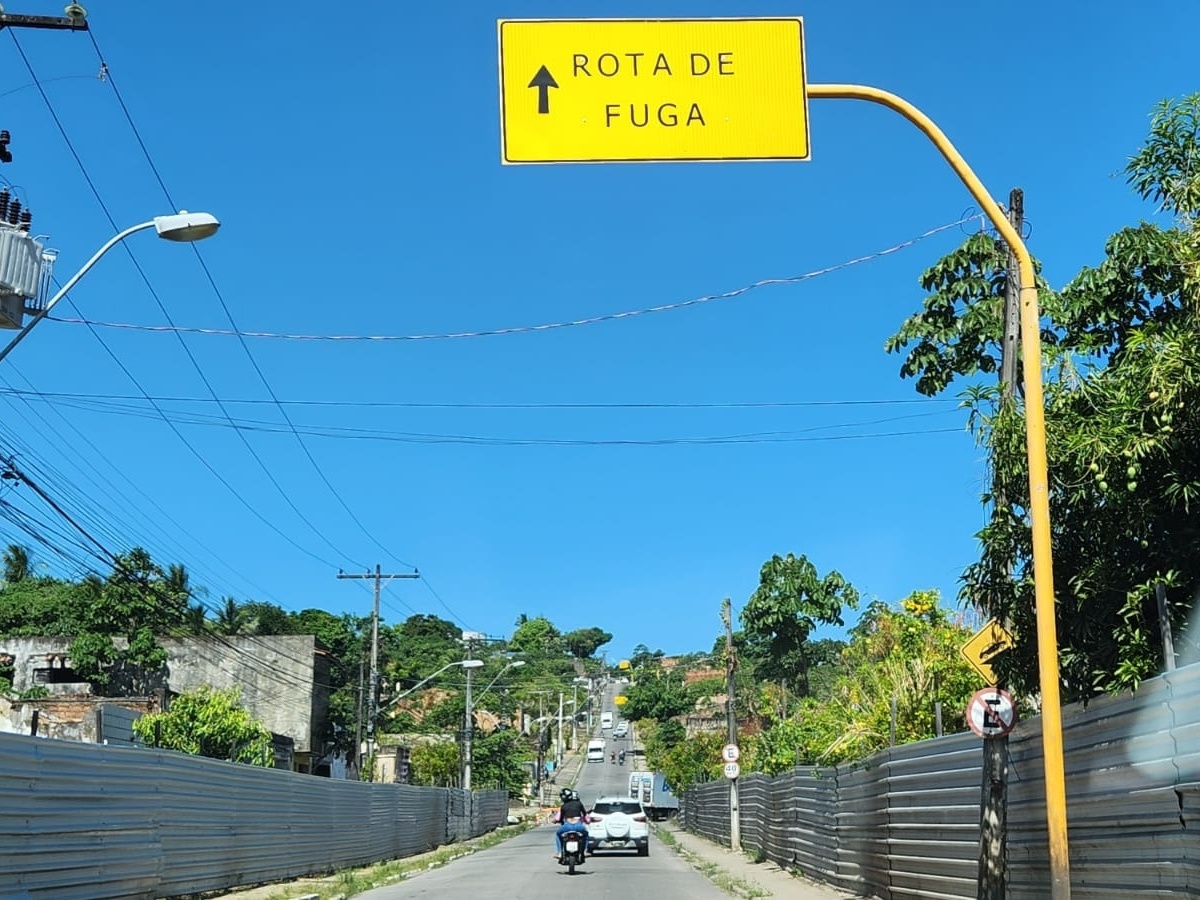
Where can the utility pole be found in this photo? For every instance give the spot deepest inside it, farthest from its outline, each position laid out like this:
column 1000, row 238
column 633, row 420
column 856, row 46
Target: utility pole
column 373, row 684
column 735, row 822
column 358, row 720
column 559, row 752
column 993, row 819
column 469, row 725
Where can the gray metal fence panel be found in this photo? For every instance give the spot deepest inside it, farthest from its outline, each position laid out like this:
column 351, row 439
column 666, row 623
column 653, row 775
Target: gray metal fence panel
column 905, row 823
column 861, row 821
column 1126, row 757
column 933, row 795
column 489, row 811
column 88, row 821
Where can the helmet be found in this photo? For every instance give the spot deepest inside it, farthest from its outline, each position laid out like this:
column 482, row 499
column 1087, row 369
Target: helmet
column 565, row 794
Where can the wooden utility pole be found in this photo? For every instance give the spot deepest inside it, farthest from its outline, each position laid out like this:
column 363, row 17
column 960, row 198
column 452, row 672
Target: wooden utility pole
column 373, row 682
column 993, row 817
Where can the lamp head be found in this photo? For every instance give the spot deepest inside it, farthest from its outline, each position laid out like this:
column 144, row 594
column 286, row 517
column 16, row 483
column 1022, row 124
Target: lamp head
column 186, row 227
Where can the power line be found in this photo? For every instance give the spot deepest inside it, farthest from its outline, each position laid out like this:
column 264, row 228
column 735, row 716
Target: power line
column 117, row 497
column 804, row 435
column 154, row 294
column 229, row 314
column 527, row 329
column 413, row 404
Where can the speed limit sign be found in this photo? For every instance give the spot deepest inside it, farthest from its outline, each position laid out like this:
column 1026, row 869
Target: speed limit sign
column 732, row 770
column 730, row 753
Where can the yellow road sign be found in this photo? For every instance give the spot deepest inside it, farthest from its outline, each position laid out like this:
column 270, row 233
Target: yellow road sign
column 632, row 90
column 985, row 644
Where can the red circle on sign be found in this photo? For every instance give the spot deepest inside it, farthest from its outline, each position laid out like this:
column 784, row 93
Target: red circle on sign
column 991, row 712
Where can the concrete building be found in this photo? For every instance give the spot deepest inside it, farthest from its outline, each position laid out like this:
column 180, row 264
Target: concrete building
column 283, row 679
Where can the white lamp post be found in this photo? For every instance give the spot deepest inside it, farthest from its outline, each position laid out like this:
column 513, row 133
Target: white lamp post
column 183, row 227
column 469, row 734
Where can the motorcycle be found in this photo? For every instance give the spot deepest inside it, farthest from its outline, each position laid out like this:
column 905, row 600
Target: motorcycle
column 621, row 759
column 574, row 844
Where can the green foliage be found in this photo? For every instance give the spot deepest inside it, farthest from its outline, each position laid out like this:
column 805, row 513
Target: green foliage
column 643, row 657
column 536, row 638
column 911, row 655
column 1122, row 420
column 136, row 602
column 37, row 692
column 497, row 761
column 691, row 761
column 659, row 695
column 584, row 642
column 435, row 764
column 35, row 607
column 417, row 647
column 789, row 604
column 208, row 722
column 17, row 565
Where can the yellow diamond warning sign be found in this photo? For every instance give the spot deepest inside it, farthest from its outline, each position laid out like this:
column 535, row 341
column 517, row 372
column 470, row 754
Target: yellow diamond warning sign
column 630, row 90
column 990, row 640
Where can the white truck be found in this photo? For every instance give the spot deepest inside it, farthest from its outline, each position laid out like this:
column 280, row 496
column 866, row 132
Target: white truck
column 655, row 794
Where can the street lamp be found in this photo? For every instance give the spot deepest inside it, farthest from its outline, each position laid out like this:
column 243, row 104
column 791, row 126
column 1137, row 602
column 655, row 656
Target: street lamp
column 514, row 664
column 183, row 227
column 467, row 664
column 469, row 730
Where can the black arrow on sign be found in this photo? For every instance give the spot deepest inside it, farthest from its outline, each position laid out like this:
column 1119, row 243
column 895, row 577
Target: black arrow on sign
column 543, row 81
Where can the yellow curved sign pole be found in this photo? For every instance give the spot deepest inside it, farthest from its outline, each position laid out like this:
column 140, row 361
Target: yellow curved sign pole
column 1035, row 445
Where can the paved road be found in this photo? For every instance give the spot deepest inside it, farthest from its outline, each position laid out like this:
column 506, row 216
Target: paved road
column 524, row 866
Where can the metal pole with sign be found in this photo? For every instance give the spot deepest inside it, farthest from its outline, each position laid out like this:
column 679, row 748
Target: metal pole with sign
column 651, row 90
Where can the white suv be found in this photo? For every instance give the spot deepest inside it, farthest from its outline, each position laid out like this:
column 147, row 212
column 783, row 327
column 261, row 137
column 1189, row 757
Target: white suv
column 618, row 822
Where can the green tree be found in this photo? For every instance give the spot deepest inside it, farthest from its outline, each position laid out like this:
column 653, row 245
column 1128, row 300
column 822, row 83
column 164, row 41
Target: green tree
column 137, row 602
column 643, row 657
column 1122, row 419
column 659, row 695
column 17, row 565
column 498, row 761
column 231, row 618
column 909, row 655
column 694, row 760
column 43, row 607
column 435, row 764
column 789, row 604
column 536, row 637
column 418, row 647
column 208, row 722
column 584, row 642
column 345, row 637
column 266, row 618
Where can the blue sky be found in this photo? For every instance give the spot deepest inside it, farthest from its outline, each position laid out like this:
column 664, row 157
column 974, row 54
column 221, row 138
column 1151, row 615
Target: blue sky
column 354, row 161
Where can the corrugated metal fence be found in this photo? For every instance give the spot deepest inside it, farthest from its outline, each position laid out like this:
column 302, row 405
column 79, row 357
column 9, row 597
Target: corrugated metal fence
column 89, row 821
column 905, row 823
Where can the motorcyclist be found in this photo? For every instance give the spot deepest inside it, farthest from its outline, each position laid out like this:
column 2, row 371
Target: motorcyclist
column 612, row 757
column 621, row 757
column 572, row 815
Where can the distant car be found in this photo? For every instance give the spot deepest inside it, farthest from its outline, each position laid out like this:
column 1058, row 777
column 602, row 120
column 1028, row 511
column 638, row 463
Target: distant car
column 618, row 822
column 621, row 730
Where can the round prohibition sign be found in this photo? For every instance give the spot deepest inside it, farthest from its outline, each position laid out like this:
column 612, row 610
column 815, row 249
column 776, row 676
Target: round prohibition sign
column 991, row 712
column 730, row 753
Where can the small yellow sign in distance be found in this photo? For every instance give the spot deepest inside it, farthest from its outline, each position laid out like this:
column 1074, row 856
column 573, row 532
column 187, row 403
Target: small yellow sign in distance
column 990, row 640
column 653, row 90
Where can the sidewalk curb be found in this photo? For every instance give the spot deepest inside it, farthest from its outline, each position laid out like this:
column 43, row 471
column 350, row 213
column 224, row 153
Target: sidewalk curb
column 742, row 876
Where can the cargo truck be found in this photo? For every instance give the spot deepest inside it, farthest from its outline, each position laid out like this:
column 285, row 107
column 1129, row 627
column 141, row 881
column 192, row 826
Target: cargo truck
column 652, row 789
